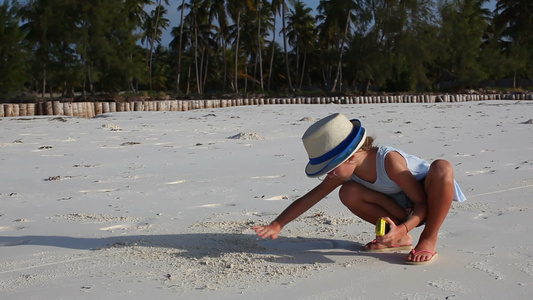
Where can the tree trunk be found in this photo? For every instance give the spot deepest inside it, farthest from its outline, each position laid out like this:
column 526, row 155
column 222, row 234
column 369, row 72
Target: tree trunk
column 272, row 54
column 303, row 70
column 206, row 72
column 198, row 82
column 44, row 82
column 178, row 71
column 237, row 53
column 225, row 45
column 285, row 48
column 339, row 65
column 260, row 49
column 189, row 79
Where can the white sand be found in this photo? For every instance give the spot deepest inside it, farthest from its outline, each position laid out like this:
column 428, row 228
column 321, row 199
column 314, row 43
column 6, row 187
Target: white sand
column 160, row 205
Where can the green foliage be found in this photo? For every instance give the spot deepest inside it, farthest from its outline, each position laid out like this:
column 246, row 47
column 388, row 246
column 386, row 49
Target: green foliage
column 12, row 55
column 515, row 19
column 221, row 46
column 463, row 26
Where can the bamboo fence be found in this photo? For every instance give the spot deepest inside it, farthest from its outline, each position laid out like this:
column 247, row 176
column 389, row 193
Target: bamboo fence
column 92, row 109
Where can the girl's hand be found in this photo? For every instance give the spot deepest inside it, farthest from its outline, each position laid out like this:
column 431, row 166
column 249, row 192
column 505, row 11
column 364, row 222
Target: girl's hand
column 272, row 230
column 395, row 233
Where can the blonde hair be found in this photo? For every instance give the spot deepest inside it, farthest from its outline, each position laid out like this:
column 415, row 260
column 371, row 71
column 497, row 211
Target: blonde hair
column 368, row 144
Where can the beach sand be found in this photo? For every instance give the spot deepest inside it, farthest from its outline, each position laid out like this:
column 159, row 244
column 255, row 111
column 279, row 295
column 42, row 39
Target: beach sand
column 160, row 205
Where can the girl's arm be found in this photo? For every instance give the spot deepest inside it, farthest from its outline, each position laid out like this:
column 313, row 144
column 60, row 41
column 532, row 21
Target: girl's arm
column 297, row 208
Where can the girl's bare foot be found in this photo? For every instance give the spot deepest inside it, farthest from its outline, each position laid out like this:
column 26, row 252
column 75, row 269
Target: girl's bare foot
column 405, row 242
column 424, row 252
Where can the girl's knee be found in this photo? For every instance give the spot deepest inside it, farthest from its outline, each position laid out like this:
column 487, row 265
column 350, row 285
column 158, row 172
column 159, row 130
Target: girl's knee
column 349, row 193
column 441, row 171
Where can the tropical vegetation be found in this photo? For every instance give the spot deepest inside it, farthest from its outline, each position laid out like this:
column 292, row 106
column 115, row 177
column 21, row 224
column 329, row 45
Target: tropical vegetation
column 259, row 46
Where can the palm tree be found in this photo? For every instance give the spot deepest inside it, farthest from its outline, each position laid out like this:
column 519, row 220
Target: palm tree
column 162, row 68
column 275, row 8
column 12, row 55
column 180, row 44
column 301, row 34
column 198, row 18
column 516, row 16
column 154, row 26
column 218, row 11
column 284, row 30
column 259, row 6
column 463, row 24
column 235, row 9
column 135, row 18
column 254, row 30
column 330, row 13
column 279, row 7
column 38, row 17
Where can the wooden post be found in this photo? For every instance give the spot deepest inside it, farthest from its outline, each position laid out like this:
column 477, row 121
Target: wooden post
column 8, row 111
column 75, row 112
column 30, row 109
column 137, row 106
column 23, row 109
column 67, row 108
column 48, row 110
column 92, row 109
column 161, row 106
column 105, row 107
column 78, row 110
column 98, row 108
column 39, row 109
column 86, row 110
column 173, row 105
column 89, row 106
column 57, row 108
column 82, row 110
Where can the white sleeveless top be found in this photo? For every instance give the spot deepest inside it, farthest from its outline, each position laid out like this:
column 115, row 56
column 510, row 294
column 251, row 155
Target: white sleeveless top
column 418, row 167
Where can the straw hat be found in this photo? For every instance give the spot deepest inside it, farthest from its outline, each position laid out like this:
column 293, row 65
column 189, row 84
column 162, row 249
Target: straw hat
column 330, row 142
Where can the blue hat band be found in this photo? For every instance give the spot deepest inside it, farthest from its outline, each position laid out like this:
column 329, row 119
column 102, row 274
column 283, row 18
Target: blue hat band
column 355, row 134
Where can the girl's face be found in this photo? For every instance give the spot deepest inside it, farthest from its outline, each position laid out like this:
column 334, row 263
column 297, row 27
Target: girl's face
column 344, row 171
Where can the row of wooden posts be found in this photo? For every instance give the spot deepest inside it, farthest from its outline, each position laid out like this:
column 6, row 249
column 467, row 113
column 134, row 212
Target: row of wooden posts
column 91, row 109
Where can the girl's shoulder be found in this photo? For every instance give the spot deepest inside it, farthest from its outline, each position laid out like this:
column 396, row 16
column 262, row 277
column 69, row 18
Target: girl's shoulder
column 384, row 150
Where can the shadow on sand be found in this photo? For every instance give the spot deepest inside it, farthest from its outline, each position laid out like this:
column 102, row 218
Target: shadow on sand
column 199, row 245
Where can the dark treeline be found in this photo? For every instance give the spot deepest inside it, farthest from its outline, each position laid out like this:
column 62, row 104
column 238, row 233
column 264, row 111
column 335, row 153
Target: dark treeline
column 228, row 46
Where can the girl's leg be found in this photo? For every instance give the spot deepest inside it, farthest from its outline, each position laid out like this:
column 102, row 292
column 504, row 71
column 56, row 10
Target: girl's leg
column 439, row 188
column 370, row 205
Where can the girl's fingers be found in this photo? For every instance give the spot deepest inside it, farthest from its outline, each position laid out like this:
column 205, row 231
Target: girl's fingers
column 389, row 221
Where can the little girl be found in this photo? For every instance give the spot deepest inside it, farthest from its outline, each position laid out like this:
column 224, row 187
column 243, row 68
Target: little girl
column 376, row 182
